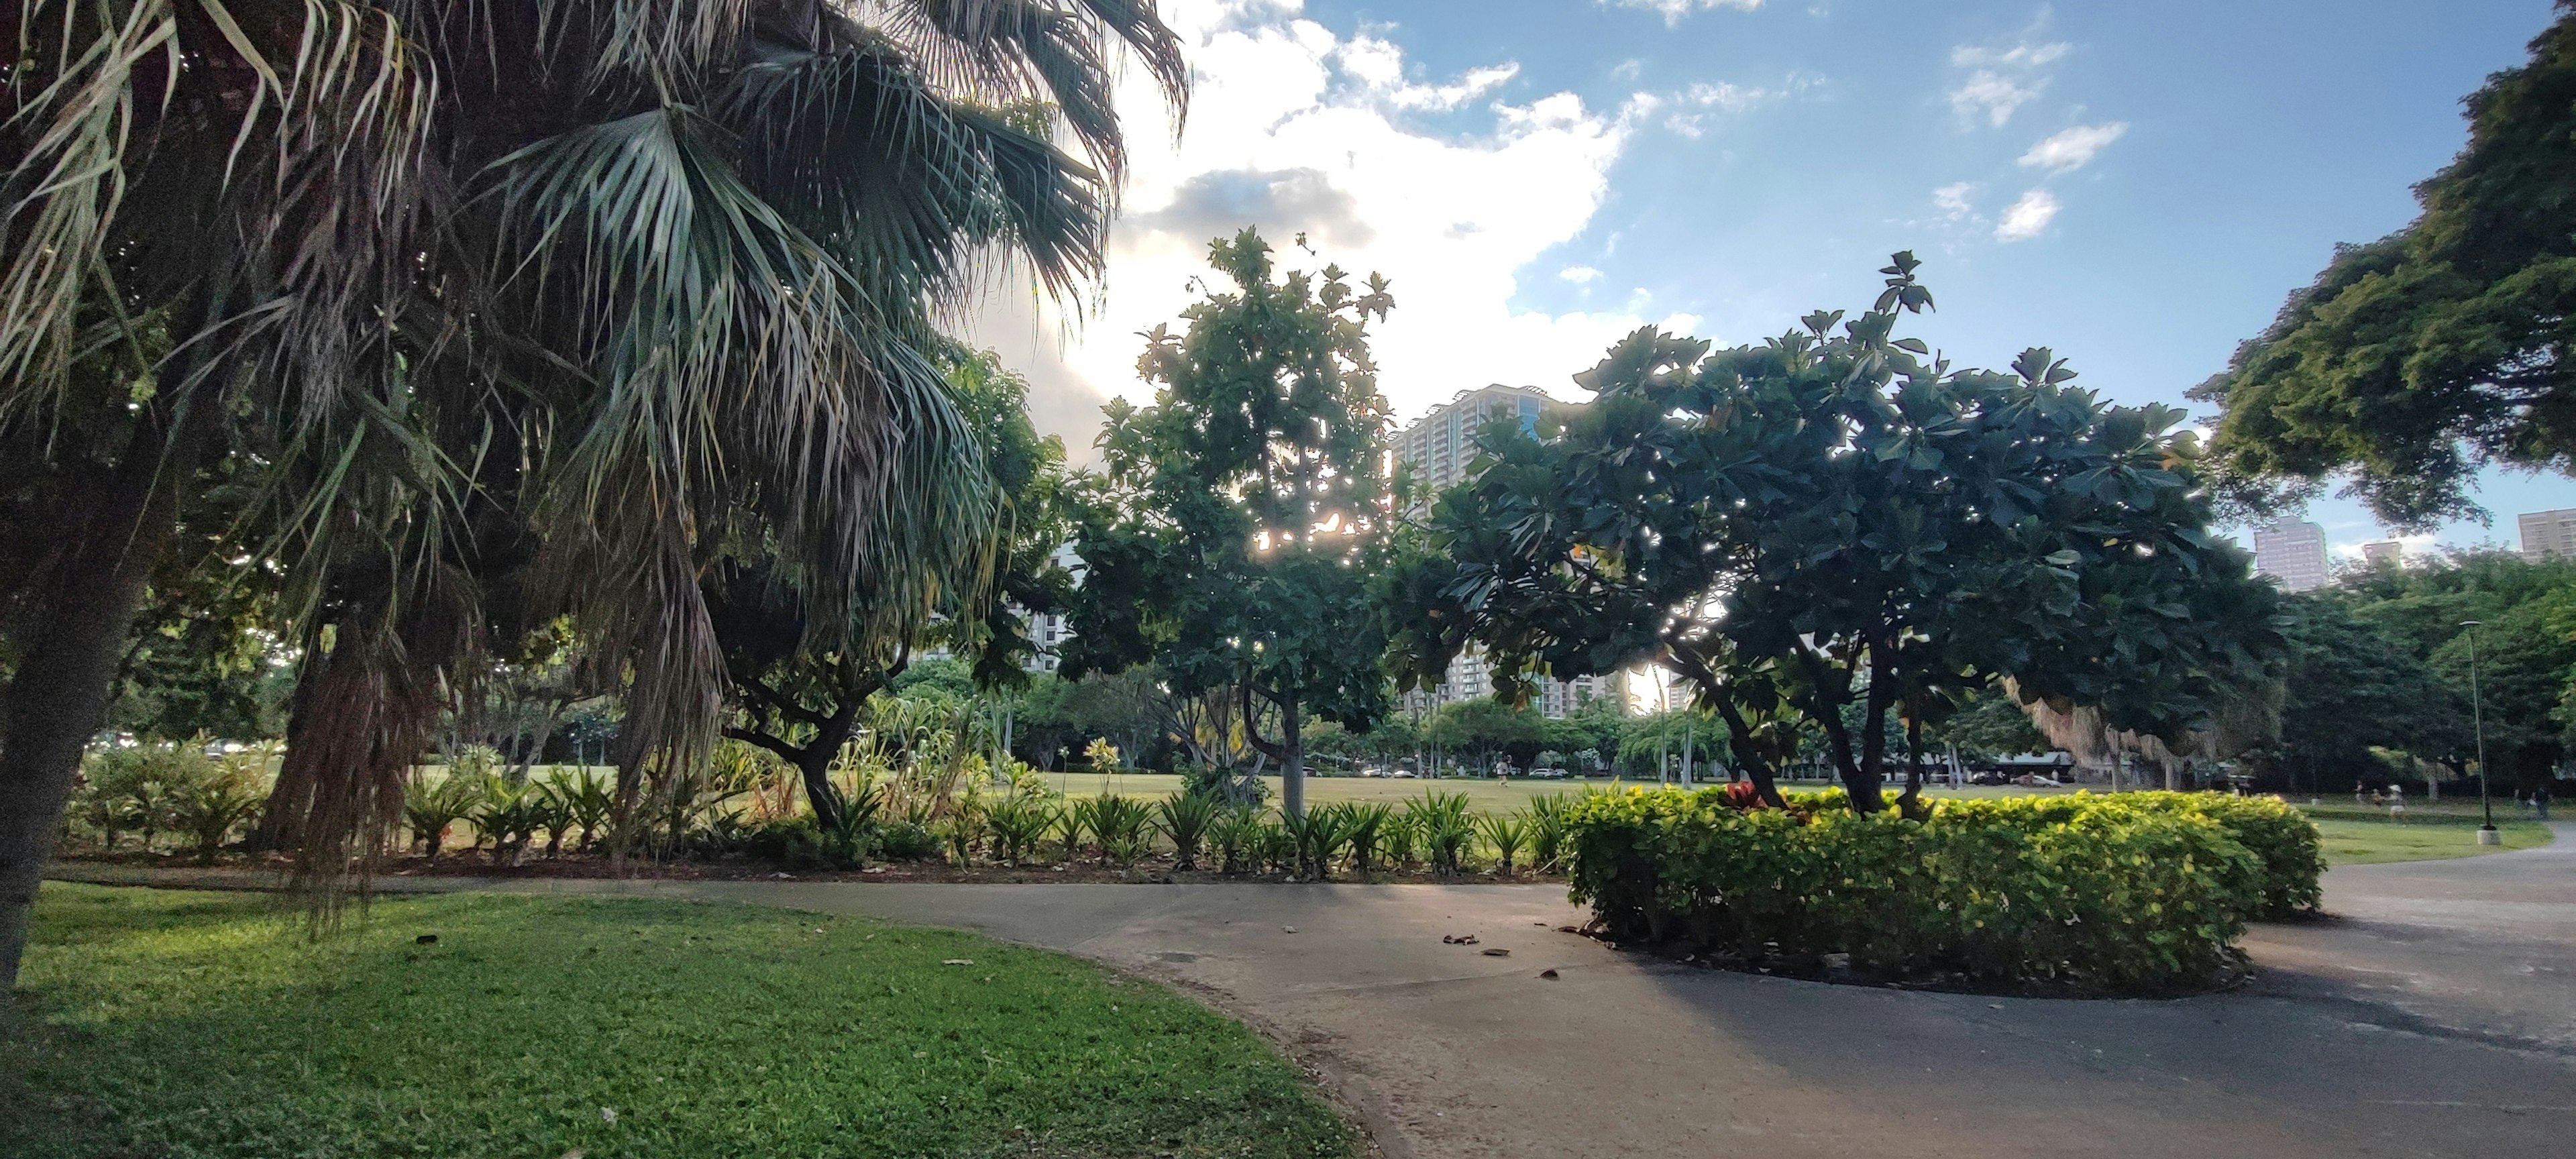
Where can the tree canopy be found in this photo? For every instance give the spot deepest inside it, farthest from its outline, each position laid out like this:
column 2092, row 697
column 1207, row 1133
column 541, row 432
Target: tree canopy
column 2416, row 358
column 1234, row 533
column 1835, row 521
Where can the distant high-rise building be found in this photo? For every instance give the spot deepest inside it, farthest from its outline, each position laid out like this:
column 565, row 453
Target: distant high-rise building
column 2386, row 551
column 2548, row 534
column 1439, row 445
column 2292, row 551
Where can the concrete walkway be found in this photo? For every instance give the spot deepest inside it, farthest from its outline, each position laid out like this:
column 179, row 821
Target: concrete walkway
column 2436, row 1016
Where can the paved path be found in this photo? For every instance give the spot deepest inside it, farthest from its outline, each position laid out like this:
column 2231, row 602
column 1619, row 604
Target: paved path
column 2435, row 1017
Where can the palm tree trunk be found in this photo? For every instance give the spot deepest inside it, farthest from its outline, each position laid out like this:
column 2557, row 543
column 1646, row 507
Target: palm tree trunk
column 59, row 695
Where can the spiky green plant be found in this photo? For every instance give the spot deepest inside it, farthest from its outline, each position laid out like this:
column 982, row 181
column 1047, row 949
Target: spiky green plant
column 1370, row 823
column 1548, row 830
column 1506, row 834
column 1185, row 818
column 1237, row 835
column 1072, row 824
column 1445, row 829
column 1019, row 821
column 430, row 807
column 586, row 798
column 1121, row 826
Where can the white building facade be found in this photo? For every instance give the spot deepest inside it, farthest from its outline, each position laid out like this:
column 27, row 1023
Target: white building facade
column 2293, row 553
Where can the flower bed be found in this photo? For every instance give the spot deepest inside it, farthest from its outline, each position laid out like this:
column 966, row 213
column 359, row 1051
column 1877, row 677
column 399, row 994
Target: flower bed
column 2114, row 894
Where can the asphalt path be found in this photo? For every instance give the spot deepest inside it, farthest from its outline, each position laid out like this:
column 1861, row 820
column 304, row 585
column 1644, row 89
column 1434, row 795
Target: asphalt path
column 2434, row 1014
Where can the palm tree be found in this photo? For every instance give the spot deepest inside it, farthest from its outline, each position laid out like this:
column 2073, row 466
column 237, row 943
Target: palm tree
column 490, row 313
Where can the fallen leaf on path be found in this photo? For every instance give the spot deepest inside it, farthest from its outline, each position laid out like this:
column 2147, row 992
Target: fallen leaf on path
column 1498, row 952
column 1547, row 973
column 958, row 962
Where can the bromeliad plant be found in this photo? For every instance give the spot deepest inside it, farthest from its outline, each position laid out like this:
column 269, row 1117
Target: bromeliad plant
column 1237, row 835
column 430, row 807
column 1018, row 822
column 1185, row 818
column 1506, row 833
column 1445, row 829
column 1122, row 826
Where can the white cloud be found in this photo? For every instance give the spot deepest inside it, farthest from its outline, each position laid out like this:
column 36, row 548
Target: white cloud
column 2001, row 80
column 1953, row 200
column 2027, row 217
column 1379, row 66
column 1674, row 10
column 2024, row 55
column 1994, row 95
column 1579, row 275
column 2073, row 148
column 1295, row 128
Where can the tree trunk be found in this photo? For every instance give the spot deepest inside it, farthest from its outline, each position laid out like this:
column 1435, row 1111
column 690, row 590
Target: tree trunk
column 1292, row 767
column 59, row 695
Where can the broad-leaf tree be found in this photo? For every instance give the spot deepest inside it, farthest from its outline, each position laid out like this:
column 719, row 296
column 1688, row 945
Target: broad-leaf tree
column 2417, row 358
column 1835, row 525
column 1241, row 519
column 520, row 311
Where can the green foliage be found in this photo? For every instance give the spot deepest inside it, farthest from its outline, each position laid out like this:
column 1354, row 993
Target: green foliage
column 194, row 1024
column 1233, row 537
column 1239, row 839
column 1123, row 827
column 905, row 840
column 1506, row 834
column 2093, row 894
column 1186, row 817
column 430, row 807
column 2283, row 839
column 2524, row 645
column 228, row 796
column 2350, row 688
column 1370, row 822
column 1441, row 823
column 2416, row 358
column 508, row 816
column 1835, row 527
column 1550, row 824
column 141, row 787
column 1018, row 822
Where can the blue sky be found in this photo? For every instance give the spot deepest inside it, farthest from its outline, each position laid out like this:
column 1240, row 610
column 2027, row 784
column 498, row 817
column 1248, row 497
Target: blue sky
column 2134, row 185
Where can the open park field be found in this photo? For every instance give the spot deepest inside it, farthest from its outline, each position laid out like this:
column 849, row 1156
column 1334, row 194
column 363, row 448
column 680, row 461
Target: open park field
column 188, row 1024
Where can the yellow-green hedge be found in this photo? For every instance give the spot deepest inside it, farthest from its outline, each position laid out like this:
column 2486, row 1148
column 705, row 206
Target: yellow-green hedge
column 2126, row 892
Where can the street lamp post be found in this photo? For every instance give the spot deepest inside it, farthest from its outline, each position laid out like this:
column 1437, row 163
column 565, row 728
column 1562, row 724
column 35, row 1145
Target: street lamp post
column 2487, row 834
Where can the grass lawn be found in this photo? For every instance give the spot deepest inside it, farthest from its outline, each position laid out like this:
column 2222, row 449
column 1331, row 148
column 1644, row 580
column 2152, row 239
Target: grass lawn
column 2359, row 835
column 167, row 1023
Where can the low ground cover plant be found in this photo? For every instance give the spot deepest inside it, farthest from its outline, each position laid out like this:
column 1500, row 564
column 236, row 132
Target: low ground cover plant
column 2120, row 893
column 175, row 1023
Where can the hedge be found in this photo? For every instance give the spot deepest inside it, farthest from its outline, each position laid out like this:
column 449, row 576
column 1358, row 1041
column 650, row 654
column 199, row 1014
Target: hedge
column 2121, row 893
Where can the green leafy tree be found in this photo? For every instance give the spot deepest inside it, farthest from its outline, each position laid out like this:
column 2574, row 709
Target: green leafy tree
column 2348, row 688
column 2416, row 358
column 1233, row 537
column 2524, row 645
column 1834, row 523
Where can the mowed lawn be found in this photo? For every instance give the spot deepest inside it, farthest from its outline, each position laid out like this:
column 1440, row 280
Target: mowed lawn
column 2360, row 835
column 165, row 1023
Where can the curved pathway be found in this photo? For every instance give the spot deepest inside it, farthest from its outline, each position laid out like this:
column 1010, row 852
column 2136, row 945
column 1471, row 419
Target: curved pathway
column 2435, row 1015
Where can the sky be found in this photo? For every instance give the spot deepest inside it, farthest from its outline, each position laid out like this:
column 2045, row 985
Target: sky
column 2136, row 186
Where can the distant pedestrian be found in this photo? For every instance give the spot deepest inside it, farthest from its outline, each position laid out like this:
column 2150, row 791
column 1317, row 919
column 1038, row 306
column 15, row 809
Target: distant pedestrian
column 2540, row 801
column 2397, row 803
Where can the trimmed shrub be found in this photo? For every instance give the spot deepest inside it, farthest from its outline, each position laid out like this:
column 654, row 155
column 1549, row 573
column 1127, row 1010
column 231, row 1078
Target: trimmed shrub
column 2077, row 892
column 2282, row 838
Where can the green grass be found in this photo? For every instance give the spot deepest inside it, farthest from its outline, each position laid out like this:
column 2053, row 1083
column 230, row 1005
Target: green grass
column 2363, row 836
column 178, row 1024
